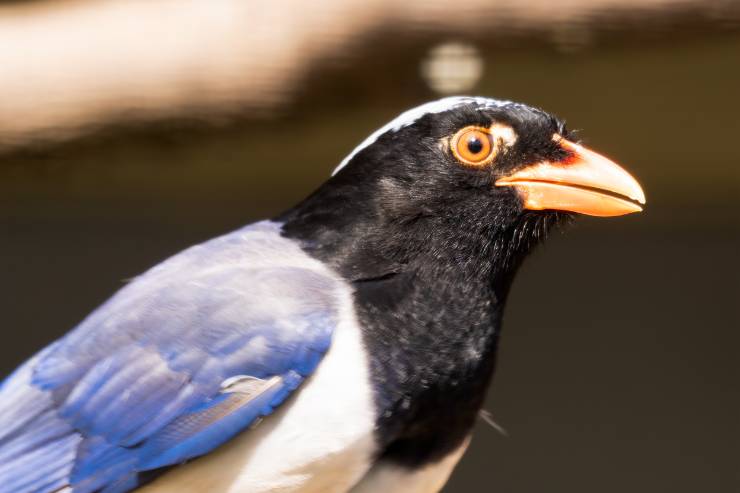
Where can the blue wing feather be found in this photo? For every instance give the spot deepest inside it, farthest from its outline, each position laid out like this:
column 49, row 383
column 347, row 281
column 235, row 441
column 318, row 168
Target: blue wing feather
column 138, row 385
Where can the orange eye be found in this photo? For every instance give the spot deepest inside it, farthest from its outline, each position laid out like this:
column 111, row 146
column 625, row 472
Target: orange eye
column 473, row 146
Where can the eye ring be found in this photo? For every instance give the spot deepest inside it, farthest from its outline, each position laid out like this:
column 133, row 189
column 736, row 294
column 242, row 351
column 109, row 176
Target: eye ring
column 473, row 146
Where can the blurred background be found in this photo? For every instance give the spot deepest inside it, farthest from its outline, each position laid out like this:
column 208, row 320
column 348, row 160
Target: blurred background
column 131, row 129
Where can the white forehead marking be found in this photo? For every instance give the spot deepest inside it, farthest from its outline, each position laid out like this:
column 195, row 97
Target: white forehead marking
column 410, row 116
column 504, row 133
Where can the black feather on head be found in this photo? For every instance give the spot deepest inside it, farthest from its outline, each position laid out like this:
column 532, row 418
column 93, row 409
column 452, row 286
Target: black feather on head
column 404, row 201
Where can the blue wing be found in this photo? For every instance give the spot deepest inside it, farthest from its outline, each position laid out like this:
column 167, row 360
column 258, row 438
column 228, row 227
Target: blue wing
column 176, row 363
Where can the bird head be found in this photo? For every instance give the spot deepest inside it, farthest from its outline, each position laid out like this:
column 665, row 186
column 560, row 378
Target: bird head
column 460, row 178
column 495, row 146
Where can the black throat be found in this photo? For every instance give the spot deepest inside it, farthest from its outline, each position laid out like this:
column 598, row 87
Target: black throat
column 430, row 287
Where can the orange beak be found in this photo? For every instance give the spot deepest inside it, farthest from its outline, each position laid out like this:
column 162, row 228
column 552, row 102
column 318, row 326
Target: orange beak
column 585, row 182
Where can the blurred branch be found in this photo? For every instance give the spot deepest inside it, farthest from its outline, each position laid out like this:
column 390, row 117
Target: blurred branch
column 68, row 67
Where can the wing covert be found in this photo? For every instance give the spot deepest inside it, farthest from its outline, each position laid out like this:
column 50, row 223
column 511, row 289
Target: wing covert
column 176, row 363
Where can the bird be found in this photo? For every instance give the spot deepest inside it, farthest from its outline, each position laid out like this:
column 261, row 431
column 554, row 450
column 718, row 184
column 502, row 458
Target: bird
column 346, row 345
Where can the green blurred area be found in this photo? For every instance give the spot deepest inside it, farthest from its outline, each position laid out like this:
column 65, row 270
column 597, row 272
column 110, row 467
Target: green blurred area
column 618, row 368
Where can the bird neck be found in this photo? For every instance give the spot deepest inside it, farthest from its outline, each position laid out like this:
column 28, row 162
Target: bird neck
column 429, row 295
column 459, row 246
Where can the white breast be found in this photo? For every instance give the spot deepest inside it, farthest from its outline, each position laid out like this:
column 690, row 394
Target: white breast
column 321, row 440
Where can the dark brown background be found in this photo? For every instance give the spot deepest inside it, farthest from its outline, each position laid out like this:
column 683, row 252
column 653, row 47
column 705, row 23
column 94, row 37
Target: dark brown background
column 618, row 369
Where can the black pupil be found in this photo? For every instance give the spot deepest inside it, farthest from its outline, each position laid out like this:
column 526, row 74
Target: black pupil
column 475, row 145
